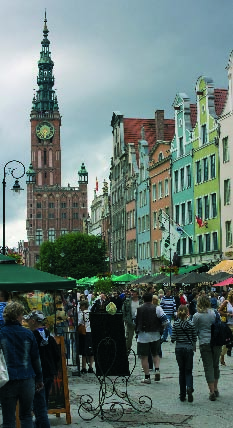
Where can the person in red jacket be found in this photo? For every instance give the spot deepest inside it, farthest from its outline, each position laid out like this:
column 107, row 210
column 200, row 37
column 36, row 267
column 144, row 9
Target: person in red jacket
column 183, row 299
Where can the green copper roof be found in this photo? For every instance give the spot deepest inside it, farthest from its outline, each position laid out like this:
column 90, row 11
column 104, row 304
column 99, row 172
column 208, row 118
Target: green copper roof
column 83, row 170
column 45, row 99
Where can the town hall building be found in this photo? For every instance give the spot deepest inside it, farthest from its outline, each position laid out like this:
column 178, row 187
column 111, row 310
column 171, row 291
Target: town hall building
column 52, row 210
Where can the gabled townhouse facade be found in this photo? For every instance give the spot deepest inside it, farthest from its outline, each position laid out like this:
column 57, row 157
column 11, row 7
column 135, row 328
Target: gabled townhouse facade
column 117, row 193
column 160, row 184
column 205, row 141
column 143, row 207
column 131, row 190
column 125, row 131
column 182, row 176
column 98, row 223
column 226, row 165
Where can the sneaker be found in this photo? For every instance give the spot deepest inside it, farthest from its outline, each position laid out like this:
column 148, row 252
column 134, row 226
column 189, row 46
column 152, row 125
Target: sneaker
column 157, row 376
column 83, row 371
column 190, row 394
column 90, row 370
column 148, row 381
column 216, row 393
column 212, row 396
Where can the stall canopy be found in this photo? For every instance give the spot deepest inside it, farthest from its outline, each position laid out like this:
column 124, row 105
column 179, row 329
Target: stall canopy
column 16, row 277
column 187, row 269
column 225, row 282
column 223, row 266
column 144, row 279
column 127, row 277
column 196, row 278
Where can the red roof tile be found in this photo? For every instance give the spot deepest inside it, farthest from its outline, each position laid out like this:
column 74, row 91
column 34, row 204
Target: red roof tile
column 169, row 129
column 132, row 131
column 220, row 96
column 193, row 114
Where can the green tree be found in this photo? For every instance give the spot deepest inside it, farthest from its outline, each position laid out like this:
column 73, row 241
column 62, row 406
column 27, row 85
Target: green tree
column 47, row 262
column 103, row 284
column 75, row 254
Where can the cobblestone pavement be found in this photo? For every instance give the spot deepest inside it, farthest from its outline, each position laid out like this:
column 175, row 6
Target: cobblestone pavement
column 167, row 410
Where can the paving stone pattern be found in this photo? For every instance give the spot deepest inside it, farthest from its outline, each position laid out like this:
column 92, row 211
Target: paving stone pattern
column 167, row 410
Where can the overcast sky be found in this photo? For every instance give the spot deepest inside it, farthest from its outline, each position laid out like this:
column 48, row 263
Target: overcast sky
column 131, row 56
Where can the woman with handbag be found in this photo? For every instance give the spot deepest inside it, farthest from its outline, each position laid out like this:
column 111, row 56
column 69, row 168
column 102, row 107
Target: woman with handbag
column 203, row 320
column 184, row 334
column 85, row 340
column 24, row 368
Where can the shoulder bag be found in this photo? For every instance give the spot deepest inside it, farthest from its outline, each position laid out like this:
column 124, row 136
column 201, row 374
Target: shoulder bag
column 82, row 327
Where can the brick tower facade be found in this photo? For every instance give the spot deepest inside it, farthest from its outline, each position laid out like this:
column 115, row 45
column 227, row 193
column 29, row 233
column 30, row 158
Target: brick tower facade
column 52, row 210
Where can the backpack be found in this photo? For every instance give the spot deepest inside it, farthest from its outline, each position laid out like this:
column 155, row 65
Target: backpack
column 220, row 333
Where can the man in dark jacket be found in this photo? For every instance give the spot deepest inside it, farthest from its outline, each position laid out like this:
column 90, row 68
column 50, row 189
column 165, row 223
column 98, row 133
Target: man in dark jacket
column 23, row 364
column 50, row 357
column 150, row 320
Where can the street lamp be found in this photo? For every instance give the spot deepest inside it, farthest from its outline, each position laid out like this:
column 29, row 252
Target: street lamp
column 16, row 188
column 168, row 243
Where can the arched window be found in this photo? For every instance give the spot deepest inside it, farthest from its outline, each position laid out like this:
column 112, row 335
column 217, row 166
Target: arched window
column 160, row 156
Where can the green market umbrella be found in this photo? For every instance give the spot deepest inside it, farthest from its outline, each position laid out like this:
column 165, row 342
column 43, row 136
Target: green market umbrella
column 16, row 277
column 187, row 269
column 127, row 277
column 144, row 279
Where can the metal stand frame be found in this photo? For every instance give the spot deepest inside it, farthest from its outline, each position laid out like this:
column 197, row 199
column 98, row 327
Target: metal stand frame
column 107, row 407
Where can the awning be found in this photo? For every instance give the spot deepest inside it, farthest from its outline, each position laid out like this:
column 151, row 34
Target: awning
column 16, row 277
column 187, row 269
column 223, row 266
column 223, row 283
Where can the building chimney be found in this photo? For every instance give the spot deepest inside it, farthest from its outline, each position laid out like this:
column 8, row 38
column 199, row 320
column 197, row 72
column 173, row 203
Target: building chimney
column 159, row 125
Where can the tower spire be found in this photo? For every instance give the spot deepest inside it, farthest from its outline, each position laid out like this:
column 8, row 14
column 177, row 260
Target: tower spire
column 45, row 101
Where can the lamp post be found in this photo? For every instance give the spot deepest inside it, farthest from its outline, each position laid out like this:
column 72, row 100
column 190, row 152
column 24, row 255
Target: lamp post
column 168, row 243
column 16, row 188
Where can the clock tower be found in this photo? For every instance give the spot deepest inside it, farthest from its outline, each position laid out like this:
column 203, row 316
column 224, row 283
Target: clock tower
column 46, row 121
column 52, row 210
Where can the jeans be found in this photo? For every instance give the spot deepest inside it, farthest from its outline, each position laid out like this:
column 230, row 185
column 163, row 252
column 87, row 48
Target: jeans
column 14, row 390
column 184, row 358
column 168, row 329
column 40, row 410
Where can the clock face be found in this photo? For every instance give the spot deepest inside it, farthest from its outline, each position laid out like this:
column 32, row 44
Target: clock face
column 45, row 130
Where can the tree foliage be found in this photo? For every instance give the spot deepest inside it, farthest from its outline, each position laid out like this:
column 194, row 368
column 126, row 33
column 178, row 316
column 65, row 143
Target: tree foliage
column 104, row 285
column 75, row 254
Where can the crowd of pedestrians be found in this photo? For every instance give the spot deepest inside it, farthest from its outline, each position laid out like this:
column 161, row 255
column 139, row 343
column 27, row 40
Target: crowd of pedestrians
column 32, row 355
column 184, row 317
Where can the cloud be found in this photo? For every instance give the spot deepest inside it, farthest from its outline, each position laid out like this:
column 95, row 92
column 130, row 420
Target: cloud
column 131, row 56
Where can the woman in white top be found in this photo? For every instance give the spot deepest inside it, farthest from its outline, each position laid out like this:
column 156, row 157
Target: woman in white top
column 85, row 341
column 226, row 309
